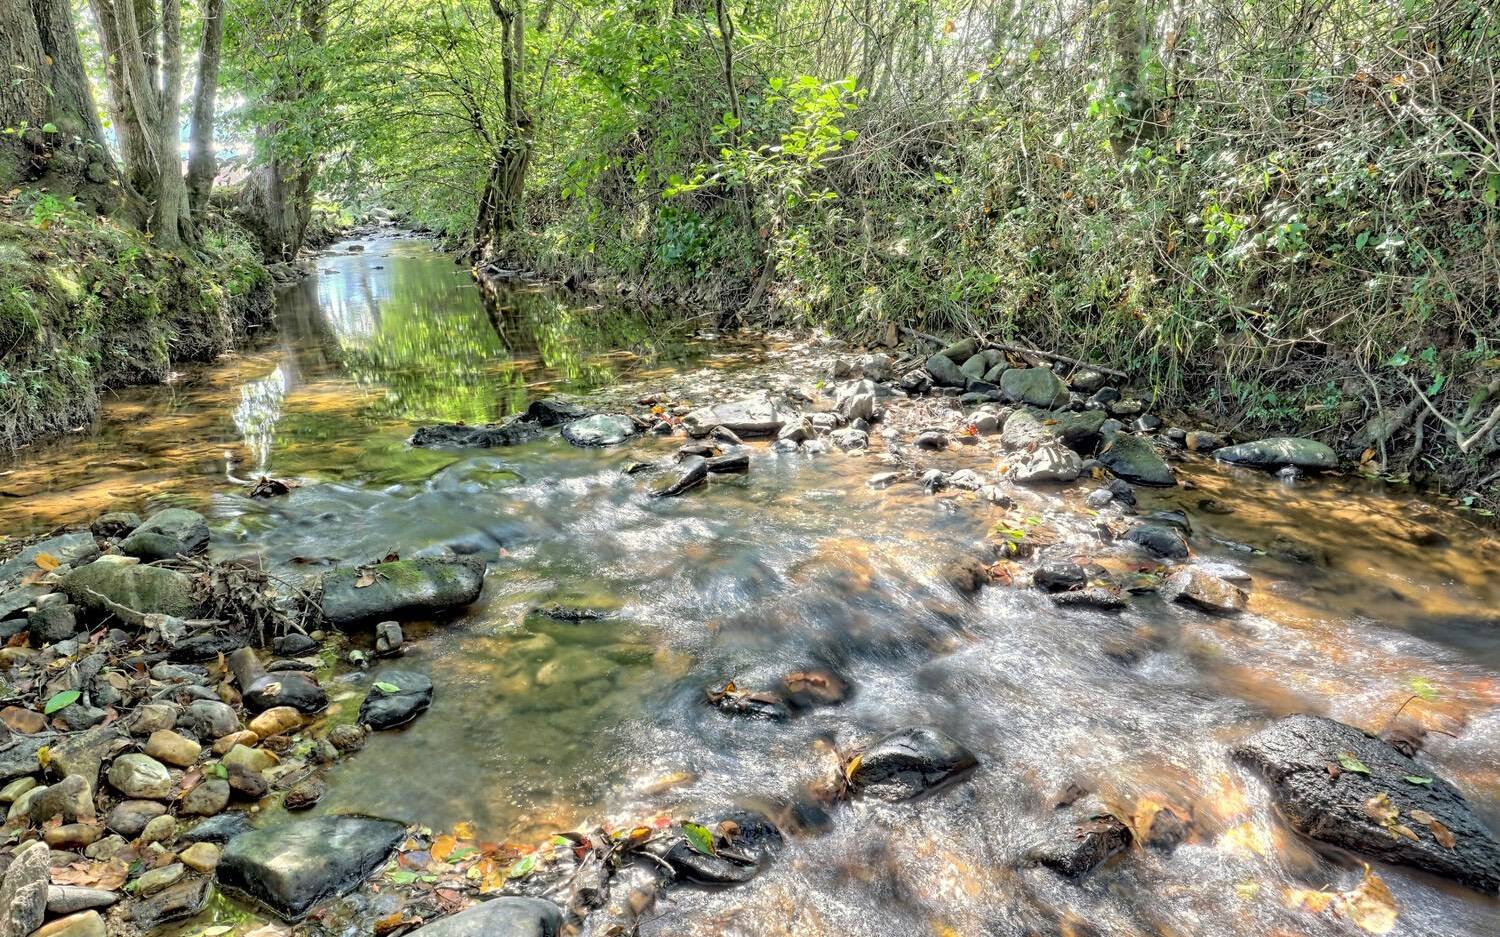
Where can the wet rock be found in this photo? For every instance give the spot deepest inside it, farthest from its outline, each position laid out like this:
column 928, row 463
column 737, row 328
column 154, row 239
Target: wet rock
column 932, row 440
column 71, row 835
column 1280, row 451
column 18, row 757
column 806, row 689
column 396, row 698
column 728, row 463
column 1047, row 462
column 1059, row 577
column 114, row 524
column 1078, row 839
column 208, row 798
column 293, row 645
column 255, row 759
column 23, row 891
column 1192, row 585
column 206, row 646
column 968, row 480
column 692, row 471
column 200, row 857
column 218, row 830
column 1313, row 766
column 1098, row 498
column 967, row 575
column 1166, row 831
column 1086, row 380
column 1022, row 430
column 293, row 688
column 502, row 917
column 945, row 371
column 347, row 738
column 551, row 411
column 137, row 587
column 182, row 900
column 167, row 746
column 910, row 762
column 1078, row 431
column 129, row 818
column 414, row 588
column 70, row 899
column 166, row 534
column 1134, row 459
column 141, row 777
column 1039, row 387
column 1095, row 597
column 1200, row 441
column 275, row 721
column 1125, row 407
column 247, row 783
column 460, row 436
column 734, row 701
column 745, row 843
column 1160, row 540
column 601, row 429
column 752, row 416
column 799, row 430
column 293, row 867
column 305, row 793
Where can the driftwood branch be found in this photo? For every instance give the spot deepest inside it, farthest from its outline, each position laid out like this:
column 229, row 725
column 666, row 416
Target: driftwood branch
column 1464, row 443
column 1023, row 350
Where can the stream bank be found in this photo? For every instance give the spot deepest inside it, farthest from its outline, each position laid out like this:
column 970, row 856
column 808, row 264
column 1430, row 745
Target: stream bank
column 1083, row 668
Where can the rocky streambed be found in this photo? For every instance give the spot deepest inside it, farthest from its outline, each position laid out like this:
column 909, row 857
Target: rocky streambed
column 926, row 641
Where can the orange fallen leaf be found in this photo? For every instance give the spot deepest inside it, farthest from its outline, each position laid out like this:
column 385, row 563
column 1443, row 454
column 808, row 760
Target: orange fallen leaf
column 47, row 561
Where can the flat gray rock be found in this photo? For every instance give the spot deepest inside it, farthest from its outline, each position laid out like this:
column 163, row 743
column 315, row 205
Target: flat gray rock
column 292, row 867
column 142, row 588
column 65, row 548
column 601, row 429
column 503, row 917
column 1134, row 459
column 753, row 416
column 1280, row 451
column 166, row 534
column 401, row 589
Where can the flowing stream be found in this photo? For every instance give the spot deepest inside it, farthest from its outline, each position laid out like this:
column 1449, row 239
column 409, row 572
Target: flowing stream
column 1359, row 595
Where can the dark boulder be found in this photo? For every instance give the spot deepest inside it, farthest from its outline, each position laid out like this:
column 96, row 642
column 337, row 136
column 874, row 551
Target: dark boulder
column 293, row 688
column 1059, row 577
column 1160, row 540
column 503, row 917
column 292, row 867
column 1336, row 784
column 1078, row 839
column 1040, row 387
column 691, row 472
column 744, row 844
column 462, row 436
column 166, row 534
column 219, row 829
column 729, row 463
column 1134, row 459
column 550, row 411
column 386, row 708
column 401, row 589
column 945, row 373
column 910, row 762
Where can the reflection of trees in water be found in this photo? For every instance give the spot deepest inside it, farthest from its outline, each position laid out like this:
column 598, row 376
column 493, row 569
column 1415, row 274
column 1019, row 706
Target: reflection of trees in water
column 258, row 412
column 440, row 354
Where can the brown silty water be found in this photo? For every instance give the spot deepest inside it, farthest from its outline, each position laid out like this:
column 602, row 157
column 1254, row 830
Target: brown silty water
column 1360, row 593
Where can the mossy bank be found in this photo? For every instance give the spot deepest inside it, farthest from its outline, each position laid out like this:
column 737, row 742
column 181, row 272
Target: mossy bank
column 87, row 304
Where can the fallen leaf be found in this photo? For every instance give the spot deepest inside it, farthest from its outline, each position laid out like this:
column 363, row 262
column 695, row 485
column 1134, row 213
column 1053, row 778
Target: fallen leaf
column 1369, row 905
column 1441, row 833
column 47, row 561
column 1349, row 763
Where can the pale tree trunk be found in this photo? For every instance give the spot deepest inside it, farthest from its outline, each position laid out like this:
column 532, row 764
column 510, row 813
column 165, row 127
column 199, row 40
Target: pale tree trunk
column 202, row 162
column 56, row 141
column 151, row 93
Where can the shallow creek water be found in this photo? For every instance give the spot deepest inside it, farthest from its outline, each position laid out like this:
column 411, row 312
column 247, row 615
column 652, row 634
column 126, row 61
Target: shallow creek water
column 541, row 725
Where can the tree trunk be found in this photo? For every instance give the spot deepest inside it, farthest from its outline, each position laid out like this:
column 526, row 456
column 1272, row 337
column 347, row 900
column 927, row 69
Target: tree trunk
column 202, row 162
column 56, row 140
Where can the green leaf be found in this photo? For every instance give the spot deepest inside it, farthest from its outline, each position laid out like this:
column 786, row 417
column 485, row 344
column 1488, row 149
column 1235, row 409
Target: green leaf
column 384, row 687
column 1348, row 762
column 65, row 698
column 1423, row 688
column 401, row 876
column 216, row 771
column 49, row 127
column 700, row 838
column 522, row 867
column 1417, row 779
column 1359, row 242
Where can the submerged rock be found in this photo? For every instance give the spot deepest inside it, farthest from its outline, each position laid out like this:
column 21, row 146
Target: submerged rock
column 386, row 708
column 140, row 588
column 550, row 411
column 292, row 867
column 910, row 762
column 1193, row 585
column 1078, row 839
column 601, row 429
column 752, row 416
column 691, row 472
column 1159, row 539
column 502, row 917
column 169, row 533
column 1049, row 461
column 1134, row 459
column 413, row 588
column 1280, row 451
column 746, row 840
column 461, row 436
column 1339, row 785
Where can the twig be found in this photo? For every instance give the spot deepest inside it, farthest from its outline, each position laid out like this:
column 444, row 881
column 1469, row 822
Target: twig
column 1023, row 350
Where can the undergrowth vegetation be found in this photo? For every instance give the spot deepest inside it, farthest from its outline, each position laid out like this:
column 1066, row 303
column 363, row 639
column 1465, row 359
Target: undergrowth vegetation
column 87, row 304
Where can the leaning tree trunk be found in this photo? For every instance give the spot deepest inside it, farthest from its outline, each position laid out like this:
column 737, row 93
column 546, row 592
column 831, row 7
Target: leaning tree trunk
column 202, row 162
column 499, row 211
column 53, row 137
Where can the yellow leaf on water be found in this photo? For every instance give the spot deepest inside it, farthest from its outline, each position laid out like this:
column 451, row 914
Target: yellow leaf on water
column 443, row 847
column 463, row 829
column 1368, row 905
